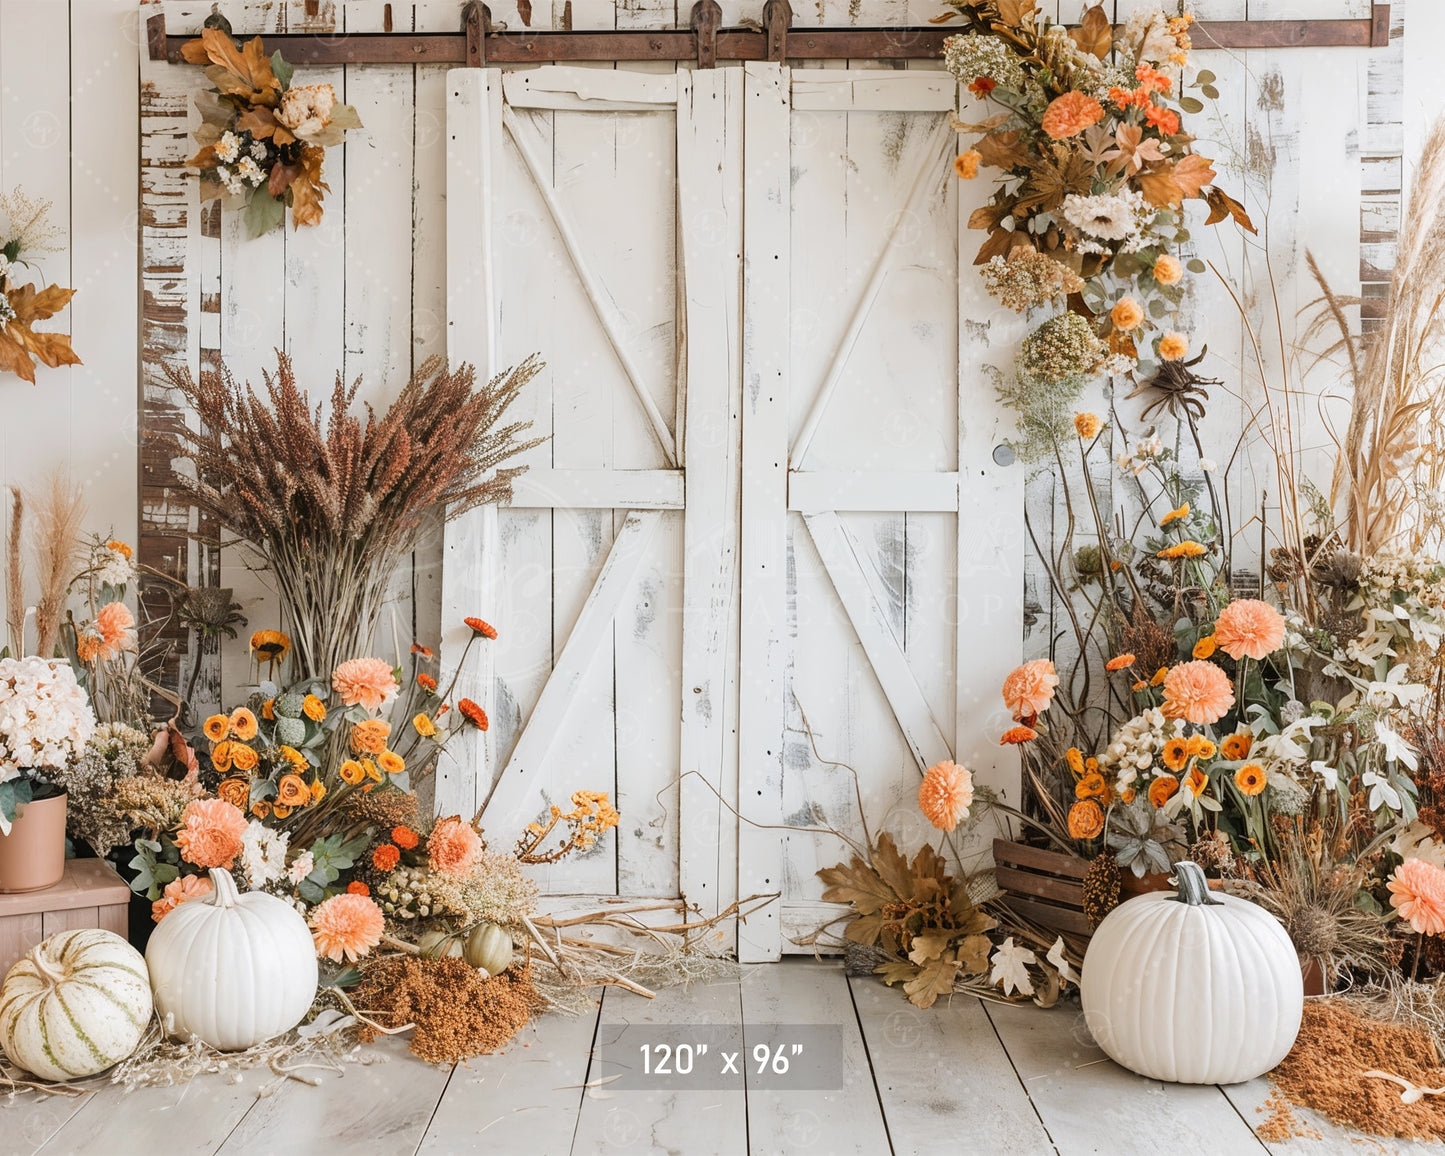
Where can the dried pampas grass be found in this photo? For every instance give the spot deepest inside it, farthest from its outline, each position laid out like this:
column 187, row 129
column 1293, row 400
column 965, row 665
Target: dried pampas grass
column 55, row 539
column 15, row 573
column 1390, row 462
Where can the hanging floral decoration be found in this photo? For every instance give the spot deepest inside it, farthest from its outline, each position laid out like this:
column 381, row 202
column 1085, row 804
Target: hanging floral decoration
column 263, row 139
column 26, row 229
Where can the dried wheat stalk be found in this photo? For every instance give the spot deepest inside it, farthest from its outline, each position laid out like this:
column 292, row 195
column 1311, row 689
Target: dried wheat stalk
column 55, row 540
column 331, row 497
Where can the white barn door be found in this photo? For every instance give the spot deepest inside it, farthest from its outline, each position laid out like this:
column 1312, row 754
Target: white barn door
column 594, row 216
column 874, row 616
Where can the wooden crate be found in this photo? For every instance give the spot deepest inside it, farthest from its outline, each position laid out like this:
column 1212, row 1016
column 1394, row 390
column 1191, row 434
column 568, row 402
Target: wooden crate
column 1045, row 886
column 90, row 894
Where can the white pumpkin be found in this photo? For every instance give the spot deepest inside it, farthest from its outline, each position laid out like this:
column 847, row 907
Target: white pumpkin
column 78, row 1003
column 1193, row 987
column 231, row 969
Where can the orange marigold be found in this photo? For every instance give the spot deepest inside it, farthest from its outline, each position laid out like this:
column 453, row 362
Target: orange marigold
column 385, row 857
column 1086, row 820
column 1249, row 628
column 1087, row 425
column 484, row 629
column 1018, row 736
column 120, row 548
column 1236, row 746
column 1200, row 747
column 1162, row 789
column 946, row 794
column 404, row 837
column 1173, row 347
column 1070, row 114
column 1250, row 779
column 210, row 834
column 966, row 164
column 1029, row 688
column 1197, row 692
column 1175, row 754
column 1166, row 120
column 1196, row 780
column 453, row 846
column 347, row 926
column 357, row 887
column 427, row 683
column 1127, row 314
column 474, row 714
column 1119, row 662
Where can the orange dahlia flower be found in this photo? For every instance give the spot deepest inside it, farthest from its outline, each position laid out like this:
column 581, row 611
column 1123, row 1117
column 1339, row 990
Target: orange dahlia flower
column 367, row 682
column 453, row 846
column 178, row 891
column 1417, row 892
column 1086, row 820
column 946, row 794
column 427, row 683
column 347, row 926
column 211, row 831
column 1197, row 692
column 1029, row 688
column 1249, row 628
column 1070, row 114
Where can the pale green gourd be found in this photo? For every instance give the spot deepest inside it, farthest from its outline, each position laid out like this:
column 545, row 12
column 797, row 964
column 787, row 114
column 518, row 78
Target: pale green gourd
column 489, row 948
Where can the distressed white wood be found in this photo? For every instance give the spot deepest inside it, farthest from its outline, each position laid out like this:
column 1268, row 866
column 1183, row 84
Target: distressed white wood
column 600, row 489
column 766, row 253
column 507, row 808
column 866, row 613
column 865, row 90
column 551, row 85
column 813, row 491
column 710, row 161
column 605, row 312
column 929, row 1099
column 928, row 163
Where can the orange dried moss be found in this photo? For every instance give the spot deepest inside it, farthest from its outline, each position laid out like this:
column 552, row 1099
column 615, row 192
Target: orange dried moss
column 458, row 1011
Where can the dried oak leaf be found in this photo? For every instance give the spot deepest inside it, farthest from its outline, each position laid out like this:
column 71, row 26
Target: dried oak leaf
column 928, row 945
column 891, row 865
column 307, row 188
column 933, row 980
column 1001, row 150
column 858, row 884
column 20, row 345
column 244, row 72
column 1095, row 34
column 1222, row 205
column 1171, row 185
column 895, row 972
column 1053, row 177
column 1014, row 12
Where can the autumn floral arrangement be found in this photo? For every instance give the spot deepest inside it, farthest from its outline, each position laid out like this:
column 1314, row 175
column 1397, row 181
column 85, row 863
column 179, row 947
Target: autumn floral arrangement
column 1093, row 169
column 263, row 139
column 26, row 230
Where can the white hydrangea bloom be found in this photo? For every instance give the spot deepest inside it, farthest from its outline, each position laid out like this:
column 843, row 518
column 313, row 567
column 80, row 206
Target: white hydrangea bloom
column 263, row 854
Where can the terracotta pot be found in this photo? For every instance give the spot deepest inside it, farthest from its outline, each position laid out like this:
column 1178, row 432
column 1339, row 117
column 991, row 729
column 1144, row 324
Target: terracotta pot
column 32, row 856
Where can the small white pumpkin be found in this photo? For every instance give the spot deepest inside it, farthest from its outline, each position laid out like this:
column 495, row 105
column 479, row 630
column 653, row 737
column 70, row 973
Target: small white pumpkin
column 439, row 945
column 78, row 1003
column 489, row 948
column 231, row 969
column 1192, row 987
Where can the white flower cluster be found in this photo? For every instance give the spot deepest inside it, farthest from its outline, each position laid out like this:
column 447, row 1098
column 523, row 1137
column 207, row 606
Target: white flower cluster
column 971, row 56
column 1402, row 601
column 1144, row 454
column 112, row 567
column 45, row 718
column 1136, row 744
column 263, row 854
column 1123, row 216
column 238, row 168
column 306, row 108
column 4, row 266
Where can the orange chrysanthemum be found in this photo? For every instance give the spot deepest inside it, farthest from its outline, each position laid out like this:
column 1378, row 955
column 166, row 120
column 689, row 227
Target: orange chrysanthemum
column 385, row 857
column 120, row 548
column 1070, row 114
column 1173, row 347
column 211, row 831
column 243, row 758
column 1236, row 746
column 946, row 794
column 367, row 682
column 1198, row 692
column 966, row 164
column 1174, row 515
column 453, row 846
column 484, row 629
column 351, row 772
column 368, row 737
column 1417, row 892
column 313, row 708
column 243, row 724
column 1088, row 425
column 357, row 887
column 1162, row 789
column 1029, row 688
column 1086, row 820
column 1185, row 549
column 474, row 714
column 1250, row 779
column 347, row 926
column 1127, row 314
column 217, row 727
column 1017, row 736
column 427, row 683
column 404, row 837
column 179, row 891
column 1166, row 120
column 1175, row 754
column 1168, row 270
column 1091, row 787
column 1119, row 662
column 1205, row 647
column 1249, row 628
column 424, row 726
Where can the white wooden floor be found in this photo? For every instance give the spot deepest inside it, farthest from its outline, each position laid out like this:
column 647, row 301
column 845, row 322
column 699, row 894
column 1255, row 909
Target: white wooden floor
column 966, row 1078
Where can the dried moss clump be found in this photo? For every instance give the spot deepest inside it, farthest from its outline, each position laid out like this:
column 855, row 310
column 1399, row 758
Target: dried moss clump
column 458, row 1011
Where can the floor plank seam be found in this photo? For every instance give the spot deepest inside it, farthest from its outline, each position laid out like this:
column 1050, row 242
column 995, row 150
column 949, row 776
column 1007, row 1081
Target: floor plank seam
column 587, row 1076
column 872, row 1071
column 1022, row 1082
column 430, row 1120
column 1228, row 1099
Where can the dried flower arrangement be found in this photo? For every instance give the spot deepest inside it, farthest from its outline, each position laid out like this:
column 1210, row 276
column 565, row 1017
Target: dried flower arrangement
column 25, row 229
column 339, row 496
column 263, row 140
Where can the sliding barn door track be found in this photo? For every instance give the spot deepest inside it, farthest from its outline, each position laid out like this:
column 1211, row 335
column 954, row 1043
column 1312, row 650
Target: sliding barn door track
column 478, row 43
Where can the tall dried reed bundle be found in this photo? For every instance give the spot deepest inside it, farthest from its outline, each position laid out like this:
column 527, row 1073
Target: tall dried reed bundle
column 1390, row 461
column 56, row 541
column 15, row 573
column 332, row 499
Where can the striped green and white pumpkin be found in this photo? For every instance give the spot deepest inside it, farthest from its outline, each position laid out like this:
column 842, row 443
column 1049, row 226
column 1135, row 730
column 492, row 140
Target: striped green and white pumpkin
column 78, row 1003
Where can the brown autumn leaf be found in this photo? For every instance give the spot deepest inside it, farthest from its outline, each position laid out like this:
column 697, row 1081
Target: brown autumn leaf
column 865, row 929
column 1170, row 184
column 891, row 865
column 989, row 216
column 999, row 242
column 263, row 125
column 1193, row 173
column 1095, row 34
column 307, row 188
column 933, row 980
column 928, row 945
column 1001, row 150
column 250, row 64
column 1014, row 12
column 1222, row 205
column 21, row 345
column 895, row 972
column 856, row 883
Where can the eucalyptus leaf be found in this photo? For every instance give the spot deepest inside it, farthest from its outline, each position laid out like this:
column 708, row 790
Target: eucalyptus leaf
column 1190, row 104
column 1210, row 91
column 1195, row 265
column 282, row 70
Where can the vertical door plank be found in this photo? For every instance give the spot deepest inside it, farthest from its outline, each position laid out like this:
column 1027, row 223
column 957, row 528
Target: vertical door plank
column 764, row 500
column 709, row 127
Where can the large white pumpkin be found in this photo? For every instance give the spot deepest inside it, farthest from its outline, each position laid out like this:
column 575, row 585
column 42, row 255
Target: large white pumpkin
column 78, row 1003
column 231, row 969
column 1192, row 987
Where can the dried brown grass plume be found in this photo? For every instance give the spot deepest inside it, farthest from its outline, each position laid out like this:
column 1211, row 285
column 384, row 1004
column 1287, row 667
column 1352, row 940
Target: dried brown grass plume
column 55, row 536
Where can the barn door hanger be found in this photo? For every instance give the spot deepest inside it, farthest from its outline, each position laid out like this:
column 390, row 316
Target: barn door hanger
column 704, row 42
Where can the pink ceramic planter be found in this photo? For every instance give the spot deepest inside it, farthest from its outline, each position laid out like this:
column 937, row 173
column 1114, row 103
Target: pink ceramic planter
column 32, row 856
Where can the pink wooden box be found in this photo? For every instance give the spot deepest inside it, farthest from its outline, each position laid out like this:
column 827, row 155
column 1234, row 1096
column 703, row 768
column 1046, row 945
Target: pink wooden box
column 90, row 894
